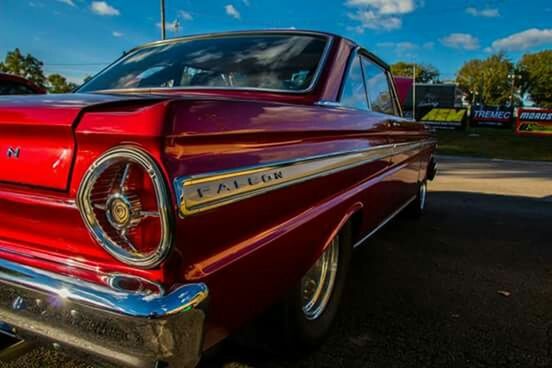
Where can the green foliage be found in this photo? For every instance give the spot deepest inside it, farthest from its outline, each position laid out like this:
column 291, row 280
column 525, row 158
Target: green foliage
column 487, row 80
column 26, row 66
column 424, row 73
column 58, row 84
column 536, row 70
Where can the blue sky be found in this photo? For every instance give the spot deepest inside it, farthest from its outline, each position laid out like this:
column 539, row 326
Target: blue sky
column 78, row 37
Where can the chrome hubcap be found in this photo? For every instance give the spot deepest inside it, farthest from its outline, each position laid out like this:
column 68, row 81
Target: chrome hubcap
column 317, row 285
column 423, row 195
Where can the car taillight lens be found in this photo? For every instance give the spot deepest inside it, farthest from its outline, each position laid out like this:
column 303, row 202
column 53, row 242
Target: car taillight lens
column 124, row 201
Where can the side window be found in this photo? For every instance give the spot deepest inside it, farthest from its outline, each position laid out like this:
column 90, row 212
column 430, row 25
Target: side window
column 378, row 88
column 354, row 93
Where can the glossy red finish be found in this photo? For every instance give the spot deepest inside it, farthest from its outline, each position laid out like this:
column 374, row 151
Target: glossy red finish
column 249, row 252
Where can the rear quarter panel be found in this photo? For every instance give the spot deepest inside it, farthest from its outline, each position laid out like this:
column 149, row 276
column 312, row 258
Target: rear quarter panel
column 252, row 251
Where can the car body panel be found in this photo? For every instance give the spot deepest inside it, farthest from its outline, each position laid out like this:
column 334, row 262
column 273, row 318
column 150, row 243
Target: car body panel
column 248, row 250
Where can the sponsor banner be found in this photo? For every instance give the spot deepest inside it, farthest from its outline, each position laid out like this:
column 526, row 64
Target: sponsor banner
column 492, row 116
column 534, row 122
column 445, row 118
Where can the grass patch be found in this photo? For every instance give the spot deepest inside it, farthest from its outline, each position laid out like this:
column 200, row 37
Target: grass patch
column 494, row 143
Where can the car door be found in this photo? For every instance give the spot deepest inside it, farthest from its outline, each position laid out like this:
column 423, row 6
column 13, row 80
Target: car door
column 378, row 198
column 404, row 166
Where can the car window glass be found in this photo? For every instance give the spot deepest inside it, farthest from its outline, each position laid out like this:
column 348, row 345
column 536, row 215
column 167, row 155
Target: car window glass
column 274, row 62
column 354, row 94
column 378, row 88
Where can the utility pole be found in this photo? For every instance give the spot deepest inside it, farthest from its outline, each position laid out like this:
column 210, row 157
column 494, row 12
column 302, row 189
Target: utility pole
column 414, row 91
column 513, row 77
column 163, row 31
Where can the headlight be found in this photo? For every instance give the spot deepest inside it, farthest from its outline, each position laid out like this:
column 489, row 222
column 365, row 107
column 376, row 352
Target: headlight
column 124, row 202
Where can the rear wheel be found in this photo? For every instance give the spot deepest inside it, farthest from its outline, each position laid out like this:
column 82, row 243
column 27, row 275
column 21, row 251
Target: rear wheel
column 417, row 207
column 308, row 312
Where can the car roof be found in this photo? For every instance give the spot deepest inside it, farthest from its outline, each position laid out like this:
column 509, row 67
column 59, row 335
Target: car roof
column 285, row 31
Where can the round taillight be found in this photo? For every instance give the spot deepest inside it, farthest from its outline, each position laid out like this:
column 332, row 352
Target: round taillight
column 124, row 202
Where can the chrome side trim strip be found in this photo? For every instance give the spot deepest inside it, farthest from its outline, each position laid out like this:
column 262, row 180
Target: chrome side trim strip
column 199, row 193
column 384, row 222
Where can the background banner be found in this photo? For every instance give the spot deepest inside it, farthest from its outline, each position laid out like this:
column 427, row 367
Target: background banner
column 500, row 117
column 534, row 122
column 442, row 118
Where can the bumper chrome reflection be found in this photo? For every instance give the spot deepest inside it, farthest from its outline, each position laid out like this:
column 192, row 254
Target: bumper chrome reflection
column 125, row 328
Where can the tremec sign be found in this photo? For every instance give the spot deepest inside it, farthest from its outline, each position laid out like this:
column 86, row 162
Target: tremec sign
column 534, row 122
column 492, row 116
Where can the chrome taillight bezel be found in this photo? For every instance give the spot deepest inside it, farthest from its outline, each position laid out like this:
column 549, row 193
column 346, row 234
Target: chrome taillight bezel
column 138, row 156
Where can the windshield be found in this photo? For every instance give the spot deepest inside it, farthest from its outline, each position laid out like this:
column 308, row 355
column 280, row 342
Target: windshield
column 274, row 62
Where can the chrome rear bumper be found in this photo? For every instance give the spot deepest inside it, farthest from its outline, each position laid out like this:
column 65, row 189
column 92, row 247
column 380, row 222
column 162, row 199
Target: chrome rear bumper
column 105, row 324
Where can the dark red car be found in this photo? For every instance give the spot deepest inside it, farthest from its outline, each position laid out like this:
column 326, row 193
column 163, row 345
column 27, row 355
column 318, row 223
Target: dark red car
column 15, row 85
column 195, row 183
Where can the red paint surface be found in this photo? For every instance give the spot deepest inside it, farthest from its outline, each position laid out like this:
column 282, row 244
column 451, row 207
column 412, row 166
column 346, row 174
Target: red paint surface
column 404, row 88
column 250, row 252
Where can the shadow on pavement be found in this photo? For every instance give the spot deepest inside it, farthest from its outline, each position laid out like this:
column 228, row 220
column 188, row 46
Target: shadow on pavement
column 431, row 293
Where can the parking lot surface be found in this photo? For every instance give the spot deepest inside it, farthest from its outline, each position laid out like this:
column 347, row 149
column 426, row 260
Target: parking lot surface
column 468, row 285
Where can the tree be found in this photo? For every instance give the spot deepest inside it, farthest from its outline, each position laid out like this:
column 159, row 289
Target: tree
column 58, row 84
column 536, row 72
column 487, row 79
column 424, row 73
column 25, row 66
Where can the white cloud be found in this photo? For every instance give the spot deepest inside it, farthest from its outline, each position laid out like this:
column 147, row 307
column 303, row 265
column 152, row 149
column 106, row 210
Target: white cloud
column 405, row 48
column 523, row 40
column 382, row 15
column 232, row 11
column 385, row 7
column 428, row 45
column 117, row 34
column 461, row 41
column 246, row 2
column 173, row 26
column 68, row 2
column 103, row 8
column 401, row 49
column 369, row 19
column 489, row 12
column 398, row 46
column 185, row 15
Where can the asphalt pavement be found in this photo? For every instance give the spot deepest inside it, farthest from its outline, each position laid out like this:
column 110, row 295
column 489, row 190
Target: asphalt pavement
column 468, row 285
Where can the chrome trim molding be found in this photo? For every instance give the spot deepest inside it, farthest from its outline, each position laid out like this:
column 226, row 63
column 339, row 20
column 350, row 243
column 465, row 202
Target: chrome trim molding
column 125, row 328
column 315, row 79
column 138, row 156
column 384, row 222
column 203, row 192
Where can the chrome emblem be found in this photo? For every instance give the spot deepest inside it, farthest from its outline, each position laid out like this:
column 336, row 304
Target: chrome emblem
column 13, row 152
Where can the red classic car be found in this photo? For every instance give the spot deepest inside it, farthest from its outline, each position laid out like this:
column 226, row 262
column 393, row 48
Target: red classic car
column 14, row 85
column 195, row 183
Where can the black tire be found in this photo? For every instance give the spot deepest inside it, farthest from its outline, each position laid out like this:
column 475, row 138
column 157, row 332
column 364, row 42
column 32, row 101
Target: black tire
column 297, row 332
column 416, row 209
